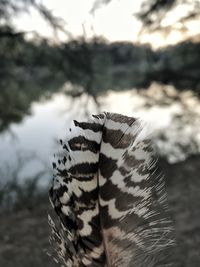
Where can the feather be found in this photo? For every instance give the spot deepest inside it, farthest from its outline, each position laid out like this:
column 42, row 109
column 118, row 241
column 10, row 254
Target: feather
column 110, row 197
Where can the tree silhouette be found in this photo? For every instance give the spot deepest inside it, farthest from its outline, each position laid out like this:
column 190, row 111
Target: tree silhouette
column 153, row 12
column 11, row 8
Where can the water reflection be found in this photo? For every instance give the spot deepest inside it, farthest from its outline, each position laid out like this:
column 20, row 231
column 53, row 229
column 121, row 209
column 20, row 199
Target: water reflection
column 33, row 142
column 173, row 117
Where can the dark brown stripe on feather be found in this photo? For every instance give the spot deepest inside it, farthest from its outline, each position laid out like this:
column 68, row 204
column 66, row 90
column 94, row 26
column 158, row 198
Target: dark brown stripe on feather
column 119, row 118
column 95, row 127
column 100, row 116
column 116, row 138
column 83, row 168
column 106, row 165
column 83, row 144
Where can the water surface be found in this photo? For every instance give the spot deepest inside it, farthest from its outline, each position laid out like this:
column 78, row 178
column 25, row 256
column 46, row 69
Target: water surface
column 27, row 147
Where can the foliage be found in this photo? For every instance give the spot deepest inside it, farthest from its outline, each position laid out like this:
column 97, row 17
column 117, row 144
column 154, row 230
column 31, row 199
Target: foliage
column 33, row 69
column 11, row 8
column 30, row 70
column 15, row 195
column 153, row 12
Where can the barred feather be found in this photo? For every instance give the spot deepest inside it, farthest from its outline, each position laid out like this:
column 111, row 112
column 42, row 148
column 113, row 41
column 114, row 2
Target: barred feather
column 109, row 197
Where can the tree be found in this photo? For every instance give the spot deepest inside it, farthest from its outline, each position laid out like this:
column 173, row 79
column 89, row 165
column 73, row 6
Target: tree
column 12, row 8
column 154, row 12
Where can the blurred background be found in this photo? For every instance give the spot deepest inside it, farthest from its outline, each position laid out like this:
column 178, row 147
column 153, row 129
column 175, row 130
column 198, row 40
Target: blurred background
column 68, row 59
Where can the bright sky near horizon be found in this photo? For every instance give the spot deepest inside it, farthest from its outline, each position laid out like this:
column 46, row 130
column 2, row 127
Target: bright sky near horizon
column 114, row 21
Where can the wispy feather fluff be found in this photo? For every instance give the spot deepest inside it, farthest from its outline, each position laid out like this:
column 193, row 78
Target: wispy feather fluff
column 109, row 197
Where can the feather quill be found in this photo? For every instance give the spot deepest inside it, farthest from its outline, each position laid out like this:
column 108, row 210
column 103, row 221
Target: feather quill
column 109, row 197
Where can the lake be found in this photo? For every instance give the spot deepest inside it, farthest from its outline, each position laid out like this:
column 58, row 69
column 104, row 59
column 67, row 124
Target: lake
column 27, row 147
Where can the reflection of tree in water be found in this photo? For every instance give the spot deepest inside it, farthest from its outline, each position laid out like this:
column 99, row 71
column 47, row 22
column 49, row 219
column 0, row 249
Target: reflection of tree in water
column 17, row 192
column 31, row 69
column 181, row 110
column 35, row 69
column 181, row 138
column 82, row 103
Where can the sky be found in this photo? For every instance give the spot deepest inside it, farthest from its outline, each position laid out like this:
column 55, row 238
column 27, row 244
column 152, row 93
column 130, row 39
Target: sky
column 115, row 21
